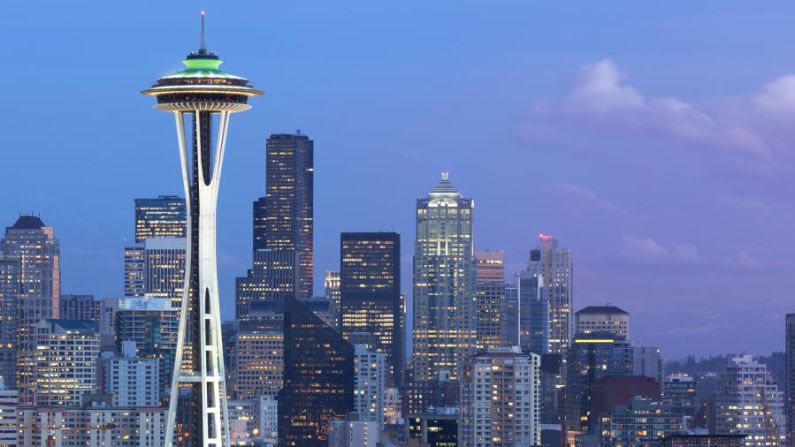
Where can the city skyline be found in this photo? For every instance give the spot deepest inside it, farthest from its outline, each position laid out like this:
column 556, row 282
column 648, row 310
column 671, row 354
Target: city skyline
column 626, row 256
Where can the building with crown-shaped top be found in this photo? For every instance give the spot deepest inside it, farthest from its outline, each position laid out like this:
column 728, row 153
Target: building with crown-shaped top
column 444, row 293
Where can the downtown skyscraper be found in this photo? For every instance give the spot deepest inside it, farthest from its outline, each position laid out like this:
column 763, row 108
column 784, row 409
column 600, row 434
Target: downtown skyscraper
column 444, row 293
column 163, row 216
column 370, row 298
column 283, row 219
column 490, row 278
column 318, row 378
column 553, row 267
column 32, row 244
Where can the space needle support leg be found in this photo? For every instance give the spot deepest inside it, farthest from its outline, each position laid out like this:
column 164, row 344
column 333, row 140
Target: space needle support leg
column 183, row 314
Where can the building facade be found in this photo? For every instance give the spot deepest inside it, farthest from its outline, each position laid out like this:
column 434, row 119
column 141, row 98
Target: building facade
column 163, row 216
column 132, row 381
column 79, row 307
column 445, row 331
column 286, row 223
column 318, row 378
column 500, row 401
column 554, row 265
column 748, row 402
column 66, row 359
column 9, row 294
column 490, row 283
column 272, row 279
column 34, row 247
column 602, row 320
column 789, row 347
column 370, row 293
column 370, row 369
column 679, row 394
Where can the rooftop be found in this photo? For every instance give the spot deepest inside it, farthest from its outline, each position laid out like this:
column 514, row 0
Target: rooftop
column 601, row 310
column 28, row 222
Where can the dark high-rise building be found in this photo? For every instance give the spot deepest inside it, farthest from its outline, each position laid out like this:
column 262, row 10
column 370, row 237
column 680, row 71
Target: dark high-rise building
column 9, row 294
column 679, row 392
column 287, row 220
column 589, row 359
column 318, row 378
column 272, row 280
column 533, row 312
column 332, row 293
column 79, row 307
column 789, row 400
column 34, row 246
column 160, row 217
column 490, row 278
column 510, row 314
column 370, row 293
column 438, row 427
column 260, row 212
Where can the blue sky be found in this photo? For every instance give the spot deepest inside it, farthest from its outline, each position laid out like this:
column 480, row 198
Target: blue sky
column 653, row 139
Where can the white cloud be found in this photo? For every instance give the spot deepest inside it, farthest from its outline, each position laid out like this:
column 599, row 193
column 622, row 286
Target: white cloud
column 601, row 97
column 743, row 260
column 648, row 250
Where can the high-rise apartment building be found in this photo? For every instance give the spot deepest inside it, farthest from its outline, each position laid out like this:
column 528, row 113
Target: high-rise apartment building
column 286, row 222
column 9, row 294
column 747, row 401
column 133, row 381
column 490, row 280
column 500, row 399
column 370, row 369
column 163, row 216
column 9, row 399
column 33, row 245
column 554, row 266
column 65, row 365
column 318, row 378
column 97, row 425
column 370, row 293
column 445, row 331
column 602, row 319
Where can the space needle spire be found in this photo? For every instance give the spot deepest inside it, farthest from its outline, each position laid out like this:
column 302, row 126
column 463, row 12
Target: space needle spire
column 201, row 97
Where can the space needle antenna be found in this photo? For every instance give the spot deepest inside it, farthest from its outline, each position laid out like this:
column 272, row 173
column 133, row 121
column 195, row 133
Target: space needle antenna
column 202, row 47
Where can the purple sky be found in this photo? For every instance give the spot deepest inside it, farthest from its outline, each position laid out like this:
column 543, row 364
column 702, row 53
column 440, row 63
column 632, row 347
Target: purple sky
column 653, row 140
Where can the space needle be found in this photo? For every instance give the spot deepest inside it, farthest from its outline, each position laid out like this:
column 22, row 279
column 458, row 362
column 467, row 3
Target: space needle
column 202, row 97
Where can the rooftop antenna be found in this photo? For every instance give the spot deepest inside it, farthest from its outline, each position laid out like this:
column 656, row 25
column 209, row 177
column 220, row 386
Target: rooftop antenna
column 202, row 48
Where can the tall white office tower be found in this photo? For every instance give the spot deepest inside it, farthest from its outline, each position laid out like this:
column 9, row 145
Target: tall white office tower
column 202, row 97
